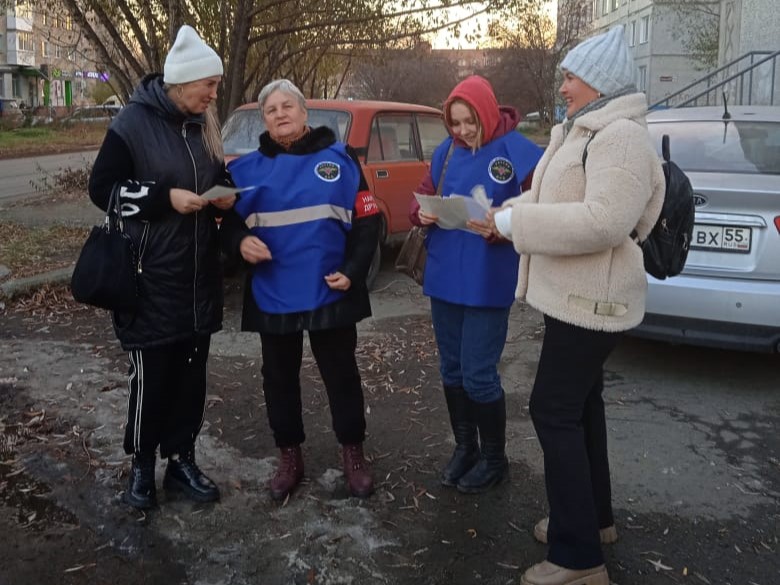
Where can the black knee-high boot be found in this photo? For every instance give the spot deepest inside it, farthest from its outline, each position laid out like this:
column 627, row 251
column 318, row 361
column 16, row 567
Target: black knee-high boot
column 493, row 466
column 464, row 428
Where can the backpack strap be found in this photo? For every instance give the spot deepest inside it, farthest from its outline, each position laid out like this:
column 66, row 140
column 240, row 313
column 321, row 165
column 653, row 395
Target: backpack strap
column 634, row 235
column 587, row 144
column 665, row 148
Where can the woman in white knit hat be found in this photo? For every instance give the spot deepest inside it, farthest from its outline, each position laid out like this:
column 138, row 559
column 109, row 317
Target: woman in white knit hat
column 581, row 268
column 160, row 153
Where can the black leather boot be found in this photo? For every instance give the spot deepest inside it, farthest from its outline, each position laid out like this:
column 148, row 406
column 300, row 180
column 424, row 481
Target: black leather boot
column 464, row 428
column 184, row 475
column 493, row 466
column 141, row 492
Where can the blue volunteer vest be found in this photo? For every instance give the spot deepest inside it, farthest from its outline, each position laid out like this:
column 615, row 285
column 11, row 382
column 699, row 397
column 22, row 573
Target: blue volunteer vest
column 462, row 267
column 301, row 207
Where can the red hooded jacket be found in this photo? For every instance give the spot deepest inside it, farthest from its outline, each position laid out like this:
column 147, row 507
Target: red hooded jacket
column 496, row 121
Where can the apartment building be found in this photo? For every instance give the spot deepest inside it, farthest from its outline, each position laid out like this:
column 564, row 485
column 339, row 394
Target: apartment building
column 652, row 32
column 749, row 33
column 470, row 61
column 44, row 60
column 748, row 25
column 655, row 36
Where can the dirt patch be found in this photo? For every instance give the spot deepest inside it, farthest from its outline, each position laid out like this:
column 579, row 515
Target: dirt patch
column 62, row 399
column 28, row 250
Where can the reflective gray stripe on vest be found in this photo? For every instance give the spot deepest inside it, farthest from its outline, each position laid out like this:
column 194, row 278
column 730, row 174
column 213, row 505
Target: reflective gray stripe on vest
column 301, row 215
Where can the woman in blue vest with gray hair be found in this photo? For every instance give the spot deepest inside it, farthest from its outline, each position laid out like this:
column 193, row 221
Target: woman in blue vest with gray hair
column 315, row 227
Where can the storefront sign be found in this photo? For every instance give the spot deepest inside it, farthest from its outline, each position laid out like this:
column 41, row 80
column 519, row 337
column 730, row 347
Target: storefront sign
column 99, row 75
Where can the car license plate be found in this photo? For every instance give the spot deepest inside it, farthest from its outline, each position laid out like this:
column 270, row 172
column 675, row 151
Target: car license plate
column 723, row 238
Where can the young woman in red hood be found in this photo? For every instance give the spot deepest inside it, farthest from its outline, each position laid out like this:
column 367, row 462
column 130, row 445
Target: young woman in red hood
column 470, row 276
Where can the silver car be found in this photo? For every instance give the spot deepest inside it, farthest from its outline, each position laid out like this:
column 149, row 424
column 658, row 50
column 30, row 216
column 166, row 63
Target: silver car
column 728, row 296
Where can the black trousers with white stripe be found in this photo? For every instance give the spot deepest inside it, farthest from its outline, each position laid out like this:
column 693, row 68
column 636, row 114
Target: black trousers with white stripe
column 167, row 388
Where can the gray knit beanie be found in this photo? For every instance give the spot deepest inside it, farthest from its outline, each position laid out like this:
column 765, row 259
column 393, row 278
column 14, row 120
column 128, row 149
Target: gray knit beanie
column 604, row 62
column 190, row 59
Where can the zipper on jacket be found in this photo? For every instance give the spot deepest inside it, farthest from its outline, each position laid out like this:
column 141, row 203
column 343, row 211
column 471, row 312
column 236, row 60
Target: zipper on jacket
column 195, row 274
column 142, row 247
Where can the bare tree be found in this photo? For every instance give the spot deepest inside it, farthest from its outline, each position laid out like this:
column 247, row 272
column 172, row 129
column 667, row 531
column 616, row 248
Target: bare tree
column 311, row 41
column 414, row 75
column 535, row 45
column 696, row 24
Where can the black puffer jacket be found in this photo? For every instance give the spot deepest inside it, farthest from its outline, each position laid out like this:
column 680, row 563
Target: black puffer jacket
column 150, row 147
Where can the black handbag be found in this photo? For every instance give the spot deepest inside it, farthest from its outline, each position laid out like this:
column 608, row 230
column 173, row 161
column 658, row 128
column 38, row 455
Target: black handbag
column 413, row 254
column 105, row 273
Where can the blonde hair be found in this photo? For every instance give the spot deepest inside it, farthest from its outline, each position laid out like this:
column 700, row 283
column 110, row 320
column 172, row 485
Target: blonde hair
column 212, row 135
column 473, row 112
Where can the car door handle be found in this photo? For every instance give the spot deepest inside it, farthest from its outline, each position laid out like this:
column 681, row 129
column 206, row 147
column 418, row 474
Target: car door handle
column 382, row 173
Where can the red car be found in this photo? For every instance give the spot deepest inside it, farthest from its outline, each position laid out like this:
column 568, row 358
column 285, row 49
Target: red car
column 394, row 143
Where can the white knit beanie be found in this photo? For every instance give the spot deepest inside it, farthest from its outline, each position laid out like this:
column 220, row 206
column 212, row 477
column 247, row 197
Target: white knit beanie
column 190, row 58
column 604, row 62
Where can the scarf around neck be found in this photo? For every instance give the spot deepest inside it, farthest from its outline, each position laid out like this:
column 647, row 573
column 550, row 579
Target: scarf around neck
column 286, row 143
column 596, row 104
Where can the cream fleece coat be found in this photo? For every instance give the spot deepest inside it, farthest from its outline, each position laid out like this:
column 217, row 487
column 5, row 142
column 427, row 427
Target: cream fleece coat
column 578, row 263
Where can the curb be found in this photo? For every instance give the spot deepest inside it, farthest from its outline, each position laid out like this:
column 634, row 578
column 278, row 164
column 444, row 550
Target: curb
column 20, row 286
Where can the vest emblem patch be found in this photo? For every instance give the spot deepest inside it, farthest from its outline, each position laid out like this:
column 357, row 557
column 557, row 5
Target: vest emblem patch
column 501, row 170
column 328, row 171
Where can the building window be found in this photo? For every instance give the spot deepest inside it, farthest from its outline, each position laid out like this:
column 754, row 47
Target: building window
column 17, row 85
column 45, row 49
column 24, row 11
column 25, row 41
column 604, row 7
column 632, row 34
column 615, row 4
column 641, row 81
column 644, row 29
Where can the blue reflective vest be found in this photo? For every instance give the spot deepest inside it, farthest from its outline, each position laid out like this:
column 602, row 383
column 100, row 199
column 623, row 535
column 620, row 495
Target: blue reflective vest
column 462, row 267
column 301, row 208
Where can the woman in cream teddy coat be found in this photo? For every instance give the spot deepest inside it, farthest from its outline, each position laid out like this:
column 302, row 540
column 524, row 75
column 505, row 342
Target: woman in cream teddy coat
column 582, row 270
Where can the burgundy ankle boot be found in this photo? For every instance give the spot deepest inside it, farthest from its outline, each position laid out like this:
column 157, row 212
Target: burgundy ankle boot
column 288, row 474
column 357, row 471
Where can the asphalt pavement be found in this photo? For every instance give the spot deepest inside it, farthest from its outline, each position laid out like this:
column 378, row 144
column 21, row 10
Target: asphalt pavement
column 19, row 174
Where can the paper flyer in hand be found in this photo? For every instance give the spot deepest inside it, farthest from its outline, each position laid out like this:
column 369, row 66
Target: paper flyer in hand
column 218, row 191
column 454, row 211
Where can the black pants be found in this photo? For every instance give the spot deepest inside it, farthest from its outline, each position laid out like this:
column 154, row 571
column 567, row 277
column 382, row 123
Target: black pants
column 334, row 352
column 167, row 387
column 568, row 414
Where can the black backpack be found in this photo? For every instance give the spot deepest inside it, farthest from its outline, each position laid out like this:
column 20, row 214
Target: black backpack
column 666, row 247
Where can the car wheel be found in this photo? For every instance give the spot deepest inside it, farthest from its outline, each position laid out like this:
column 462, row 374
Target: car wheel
column 373, row 270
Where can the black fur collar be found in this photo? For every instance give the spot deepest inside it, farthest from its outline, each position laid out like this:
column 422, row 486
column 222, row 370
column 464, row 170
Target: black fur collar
column 314, row 141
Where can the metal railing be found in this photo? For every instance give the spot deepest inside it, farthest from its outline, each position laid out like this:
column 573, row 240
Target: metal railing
column 754, row 82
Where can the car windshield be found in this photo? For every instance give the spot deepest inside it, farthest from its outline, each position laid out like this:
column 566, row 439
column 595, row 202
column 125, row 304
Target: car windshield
column 750, row 147
column 243, row 128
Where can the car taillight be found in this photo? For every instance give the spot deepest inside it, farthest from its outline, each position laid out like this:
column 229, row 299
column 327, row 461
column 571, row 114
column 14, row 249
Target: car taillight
column 777, row 223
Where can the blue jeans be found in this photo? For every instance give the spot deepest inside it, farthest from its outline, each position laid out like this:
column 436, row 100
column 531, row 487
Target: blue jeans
column 470, row 341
